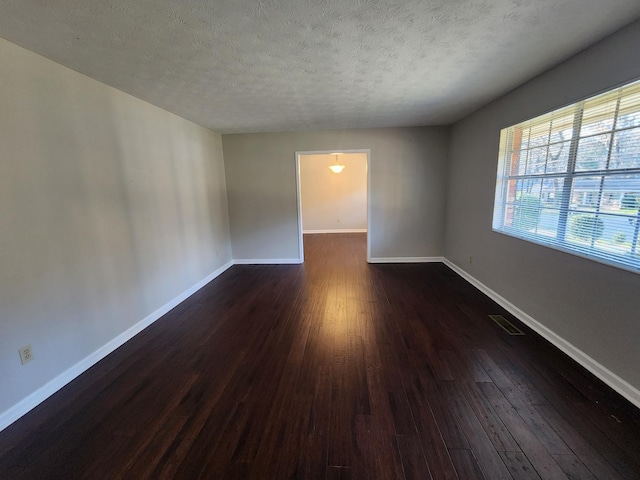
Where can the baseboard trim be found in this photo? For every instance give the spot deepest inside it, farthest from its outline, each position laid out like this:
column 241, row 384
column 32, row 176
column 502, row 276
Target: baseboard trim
column 620, row 385
column 406, row 260
column 266, row 261
column 36, row 398
column 345, row 230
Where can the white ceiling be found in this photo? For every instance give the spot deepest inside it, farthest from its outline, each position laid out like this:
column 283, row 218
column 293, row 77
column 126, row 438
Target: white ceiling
column 278, row 65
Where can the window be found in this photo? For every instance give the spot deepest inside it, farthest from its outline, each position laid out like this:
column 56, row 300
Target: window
column 570, row 179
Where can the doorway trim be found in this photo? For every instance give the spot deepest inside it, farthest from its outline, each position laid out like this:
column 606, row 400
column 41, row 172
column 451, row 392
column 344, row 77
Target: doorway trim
column 366, row 151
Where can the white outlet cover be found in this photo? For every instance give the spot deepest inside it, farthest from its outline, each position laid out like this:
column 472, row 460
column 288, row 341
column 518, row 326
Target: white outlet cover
column 26, row 354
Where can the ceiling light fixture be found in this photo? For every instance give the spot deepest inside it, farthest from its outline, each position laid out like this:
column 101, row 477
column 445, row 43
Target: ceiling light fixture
column 336, row 168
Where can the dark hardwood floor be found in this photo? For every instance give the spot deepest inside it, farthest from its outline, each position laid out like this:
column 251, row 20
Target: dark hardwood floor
column 332, row 370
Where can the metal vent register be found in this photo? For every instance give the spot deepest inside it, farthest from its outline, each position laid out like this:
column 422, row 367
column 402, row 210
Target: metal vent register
column 506, row 325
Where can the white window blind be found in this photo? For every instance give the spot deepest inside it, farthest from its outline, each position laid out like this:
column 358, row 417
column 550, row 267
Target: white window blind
column 570, row 179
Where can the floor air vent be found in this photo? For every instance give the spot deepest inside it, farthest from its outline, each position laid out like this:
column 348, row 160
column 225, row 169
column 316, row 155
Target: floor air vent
column 506, row 325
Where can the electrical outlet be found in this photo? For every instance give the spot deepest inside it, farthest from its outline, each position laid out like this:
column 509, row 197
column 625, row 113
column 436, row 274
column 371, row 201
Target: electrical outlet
column 26, row 354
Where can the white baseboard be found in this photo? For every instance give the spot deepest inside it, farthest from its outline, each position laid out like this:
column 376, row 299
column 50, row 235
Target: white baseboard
column 266, row 261
column 33, row 400
column 406, row 260
column 345, row 230
column 620, row 385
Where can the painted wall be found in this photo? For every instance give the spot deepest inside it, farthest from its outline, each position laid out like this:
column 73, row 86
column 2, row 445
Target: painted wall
column 594, row 307
column 110, row 208
column 407, row 169
column 333, row 201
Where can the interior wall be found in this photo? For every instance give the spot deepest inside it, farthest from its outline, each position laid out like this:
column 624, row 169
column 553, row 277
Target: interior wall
column 111, row 208
column 591, row 305
column 407, row 180
column 333, row 202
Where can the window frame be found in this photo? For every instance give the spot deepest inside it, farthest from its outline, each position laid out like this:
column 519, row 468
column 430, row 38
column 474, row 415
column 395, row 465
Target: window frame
column 509, row 157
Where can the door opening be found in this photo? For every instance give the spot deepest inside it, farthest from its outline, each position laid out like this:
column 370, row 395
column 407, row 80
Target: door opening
column 333, row 199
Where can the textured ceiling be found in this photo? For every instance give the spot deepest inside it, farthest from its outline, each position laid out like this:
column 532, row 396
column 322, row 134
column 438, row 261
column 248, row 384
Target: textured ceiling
column 278, row 65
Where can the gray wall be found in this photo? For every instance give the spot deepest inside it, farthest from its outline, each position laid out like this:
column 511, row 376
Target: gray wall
column 593, row 306
column 109, row 209
column 407, row 168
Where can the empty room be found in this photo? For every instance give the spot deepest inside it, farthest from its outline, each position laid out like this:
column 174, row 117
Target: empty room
column 320, row 240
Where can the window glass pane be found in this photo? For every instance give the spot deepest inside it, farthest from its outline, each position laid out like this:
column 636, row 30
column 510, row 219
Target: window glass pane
column 585, row 228
column 512, row 190
column 558, row 157
column 611, row 197
column 548, row 222
column 537, row 160
column 617, row 235
column 521, row 163
column 625, row 152
column 629, row 114
column 629, row 119
column 605, row 235
column 508, row 215
column 598, row 117
column 550, row 202
column 529, row 186
column 592, row 153
column 585, row 193
column 539, row 135
column 526, row 211
column 627, row 191
column 551, row 194
column 621, row 200
column 562, row 128
column 524, row 139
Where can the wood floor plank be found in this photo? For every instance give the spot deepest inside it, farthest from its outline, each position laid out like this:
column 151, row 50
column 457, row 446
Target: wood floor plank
column 339, row 473
column 580, row 445
column 313, row 457
column 448, row 426
column 490, row 462
column 341, row 420
column 433, row 445
column 536, row 423
column 388, row 464
column 357, row 373
column 497, row 432
column 334, row 369
column 615, row 423
column 466, row 464
column 413, row 462
column 573, row 467
column 369, row 439
column 519, row 466
column 402, row 419
column 527, row 386
column 531, row 446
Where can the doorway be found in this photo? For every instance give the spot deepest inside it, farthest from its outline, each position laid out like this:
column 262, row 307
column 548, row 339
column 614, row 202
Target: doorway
column 331, row 202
